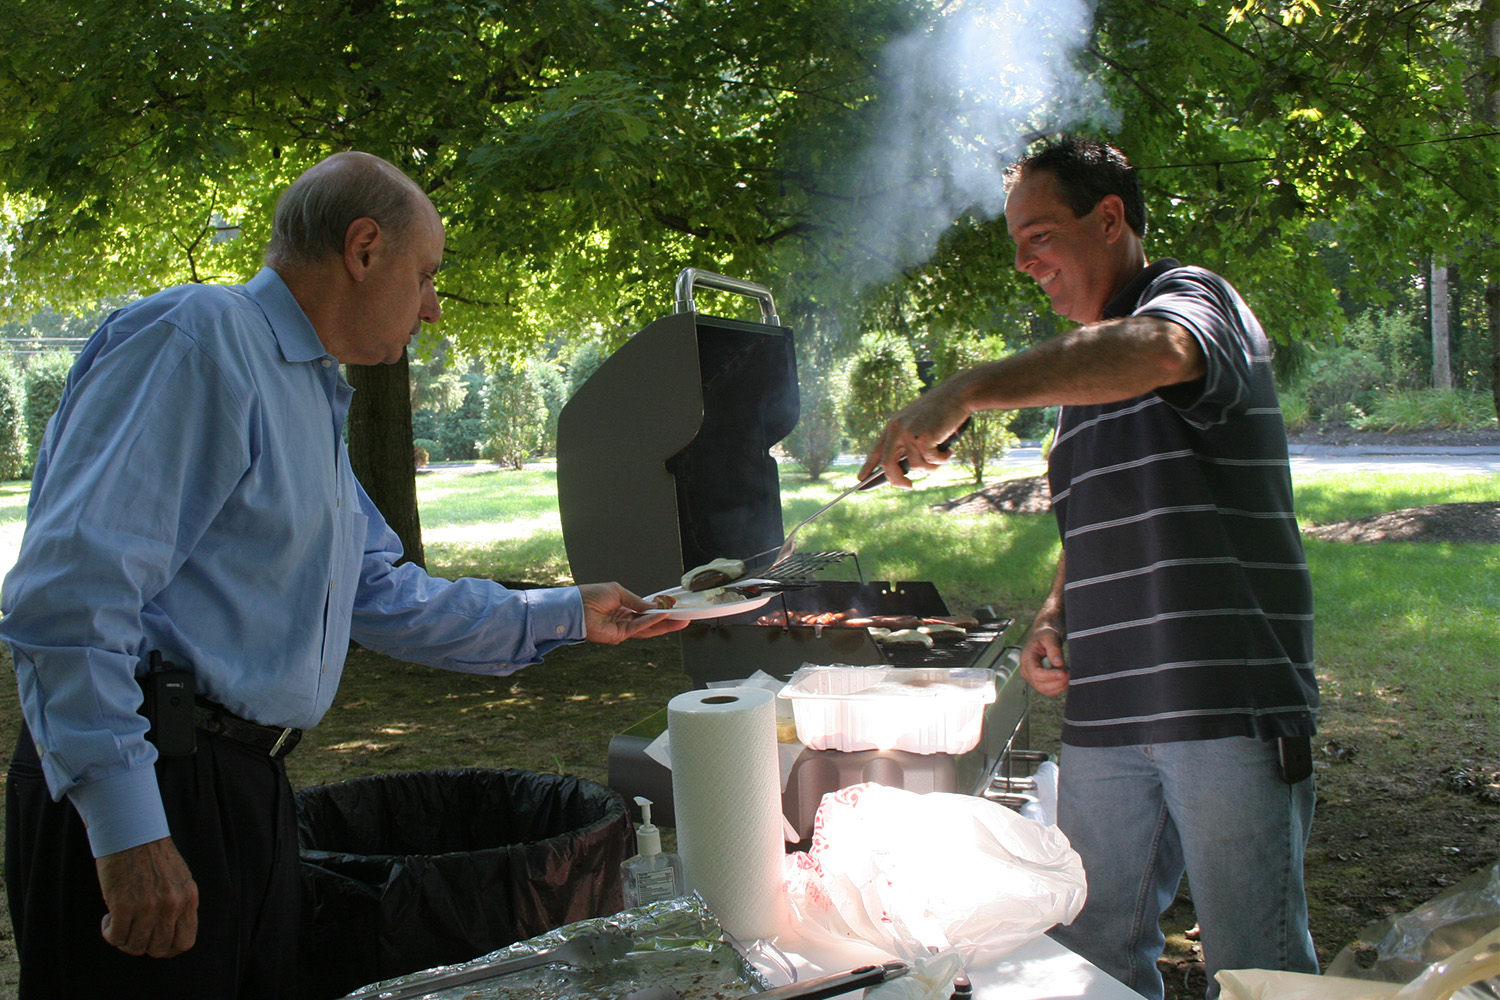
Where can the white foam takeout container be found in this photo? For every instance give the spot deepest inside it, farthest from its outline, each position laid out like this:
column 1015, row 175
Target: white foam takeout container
column 922, row 710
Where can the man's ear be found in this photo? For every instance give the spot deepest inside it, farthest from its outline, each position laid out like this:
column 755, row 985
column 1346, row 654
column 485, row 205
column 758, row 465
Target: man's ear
column 362, row 240
column 1111, row 209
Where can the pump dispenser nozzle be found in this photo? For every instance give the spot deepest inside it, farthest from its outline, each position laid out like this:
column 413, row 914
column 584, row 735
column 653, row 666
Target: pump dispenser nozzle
column 647, row 836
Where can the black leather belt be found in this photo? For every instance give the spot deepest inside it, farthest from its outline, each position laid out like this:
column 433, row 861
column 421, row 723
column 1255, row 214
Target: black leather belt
column 218, row 720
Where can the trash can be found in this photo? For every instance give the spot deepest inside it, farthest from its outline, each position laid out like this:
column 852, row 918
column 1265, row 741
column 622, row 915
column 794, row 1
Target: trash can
column 402, row 872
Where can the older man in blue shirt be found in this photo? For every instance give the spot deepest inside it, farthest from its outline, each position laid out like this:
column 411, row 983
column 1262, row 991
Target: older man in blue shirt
column 193, row 497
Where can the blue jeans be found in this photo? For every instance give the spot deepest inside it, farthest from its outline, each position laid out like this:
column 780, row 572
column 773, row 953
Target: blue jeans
column 1140, row 816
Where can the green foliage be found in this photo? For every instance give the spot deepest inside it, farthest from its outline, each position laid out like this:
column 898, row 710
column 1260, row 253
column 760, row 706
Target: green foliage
column 553, row 385
column 586, row 359
column 583, row 153
column 435, row 387
column 1295, row 412
column 1397, row 341
column 989, row 433
column 455, row 433
column 515, row 416
column 882, row 379
column 12, row 420
column 1414, row 409
column 44, row 378
column 1340, row 383
column 1036, row 423
column 819, row 435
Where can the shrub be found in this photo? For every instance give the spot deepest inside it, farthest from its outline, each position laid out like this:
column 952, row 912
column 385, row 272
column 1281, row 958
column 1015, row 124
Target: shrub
column 989, row 433
column 430, row 449
column 419, row 457
column 1416, row 408
column 881, row 381
column 1396, row 341
column 515, row 416
column 553, row 386
column 1341, row 378
column 45, row 377
column 12, row 421
column 1295, row 413
column 1034, row 423
column 818, row 437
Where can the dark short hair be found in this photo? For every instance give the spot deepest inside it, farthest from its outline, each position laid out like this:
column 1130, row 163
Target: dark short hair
column 1086, row 170
column 314, row 213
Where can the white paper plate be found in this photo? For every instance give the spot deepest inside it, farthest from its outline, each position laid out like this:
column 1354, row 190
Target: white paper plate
column 687, row 610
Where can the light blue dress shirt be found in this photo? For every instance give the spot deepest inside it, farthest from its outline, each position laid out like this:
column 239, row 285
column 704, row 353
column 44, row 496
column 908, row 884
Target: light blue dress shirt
column 193, row 496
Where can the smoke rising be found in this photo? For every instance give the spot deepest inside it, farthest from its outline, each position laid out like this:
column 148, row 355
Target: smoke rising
column 964, row 98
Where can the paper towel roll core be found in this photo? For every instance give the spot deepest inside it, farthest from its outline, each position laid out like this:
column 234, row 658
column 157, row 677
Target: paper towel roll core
column 726, row 794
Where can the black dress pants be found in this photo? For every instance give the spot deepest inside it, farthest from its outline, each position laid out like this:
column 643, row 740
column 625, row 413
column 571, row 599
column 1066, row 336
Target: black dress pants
column 233, row 819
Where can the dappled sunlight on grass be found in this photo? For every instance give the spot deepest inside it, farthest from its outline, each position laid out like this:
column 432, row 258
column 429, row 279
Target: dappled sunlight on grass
column 488, row 532
column 1424, row 615
column 1345, row 496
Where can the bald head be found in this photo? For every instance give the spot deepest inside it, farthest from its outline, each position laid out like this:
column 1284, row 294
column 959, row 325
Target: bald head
column 314, row 213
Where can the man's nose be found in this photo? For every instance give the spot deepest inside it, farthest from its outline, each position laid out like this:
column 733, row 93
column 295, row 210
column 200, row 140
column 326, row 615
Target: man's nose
column 431, row 310
column 1023, row 258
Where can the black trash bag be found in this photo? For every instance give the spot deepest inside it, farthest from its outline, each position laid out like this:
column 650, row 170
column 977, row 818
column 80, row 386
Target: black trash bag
column 402, row 872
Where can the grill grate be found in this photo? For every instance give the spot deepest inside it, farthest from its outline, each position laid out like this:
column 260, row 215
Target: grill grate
column 804, row 565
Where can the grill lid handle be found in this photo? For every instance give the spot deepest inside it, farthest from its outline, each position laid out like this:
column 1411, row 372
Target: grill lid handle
column 691, row 276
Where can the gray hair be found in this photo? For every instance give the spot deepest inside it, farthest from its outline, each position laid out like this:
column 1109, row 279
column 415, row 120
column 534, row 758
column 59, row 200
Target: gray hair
column 314, row 213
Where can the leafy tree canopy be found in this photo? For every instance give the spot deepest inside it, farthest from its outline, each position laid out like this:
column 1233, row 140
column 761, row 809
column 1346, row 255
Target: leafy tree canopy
column 846, row 153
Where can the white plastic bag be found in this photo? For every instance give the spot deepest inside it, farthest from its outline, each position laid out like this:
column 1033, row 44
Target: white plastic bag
column 908, row 873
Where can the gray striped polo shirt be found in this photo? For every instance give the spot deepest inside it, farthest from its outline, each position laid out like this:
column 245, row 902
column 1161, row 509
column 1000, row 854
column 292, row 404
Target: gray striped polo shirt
column 1188, row 603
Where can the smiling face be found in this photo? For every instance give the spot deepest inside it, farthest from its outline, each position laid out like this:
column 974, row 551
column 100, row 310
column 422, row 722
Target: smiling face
column 1080, row 261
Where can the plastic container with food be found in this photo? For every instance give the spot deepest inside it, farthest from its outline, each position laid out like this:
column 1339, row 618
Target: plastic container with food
column 917, row 709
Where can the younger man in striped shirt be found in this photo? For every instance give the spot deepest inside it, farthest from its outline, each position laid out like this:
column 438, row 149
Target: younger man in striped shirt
column 1182, row 592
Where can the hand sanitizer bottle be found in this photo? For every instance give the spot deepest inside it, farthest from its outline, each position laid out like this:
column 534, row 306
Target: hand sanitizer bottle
column 650, row 875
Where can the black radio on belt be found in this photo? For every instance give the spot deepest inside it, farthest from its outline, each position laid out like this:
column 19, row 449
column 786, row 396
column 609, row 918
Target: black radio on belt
column 169, row 708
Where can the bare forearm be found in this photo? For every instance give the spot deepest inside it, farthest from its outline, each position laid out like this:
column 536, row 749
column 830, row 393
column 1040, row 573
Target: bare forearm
column 1051, row 612
column 1098, row 363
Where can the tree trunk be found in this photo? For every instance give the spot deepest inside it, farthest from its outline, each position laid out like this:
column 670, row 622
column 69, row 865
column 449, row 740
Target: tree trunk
column 1492, row 304
column 1492, row 287
column 380, row 448
column 1442, row 368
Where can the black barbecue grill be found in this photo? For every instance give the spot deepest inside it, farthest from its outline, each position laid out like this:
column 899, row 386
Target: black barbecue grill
column 664, row 463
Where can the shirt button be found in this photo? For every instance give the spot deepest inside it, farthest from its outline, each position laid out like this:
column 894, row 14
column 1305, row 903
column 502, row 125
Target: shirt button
column 327, row 363
column 560, row 629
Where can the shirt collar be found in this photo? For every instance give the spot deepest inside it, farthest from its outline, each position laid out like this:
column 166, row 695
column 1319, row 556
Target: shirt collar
column 1124, row 304
column 289, row 324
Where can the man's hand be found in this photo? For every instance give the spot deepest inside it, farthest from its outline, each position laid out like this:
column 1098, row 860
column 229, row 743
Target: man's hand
column 611, row 614
column 1042, row 663
column 917, row 434
column 152, row 900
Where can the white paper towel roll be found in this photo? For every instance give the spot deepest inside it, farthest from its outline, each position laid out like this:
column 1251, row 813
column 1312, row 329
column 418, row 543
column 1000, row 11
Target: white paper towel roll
column 725, row 794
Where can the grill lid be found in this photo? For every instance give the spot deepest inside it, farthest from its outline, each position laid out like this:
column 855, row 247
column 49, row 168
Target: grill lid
column 664, row 453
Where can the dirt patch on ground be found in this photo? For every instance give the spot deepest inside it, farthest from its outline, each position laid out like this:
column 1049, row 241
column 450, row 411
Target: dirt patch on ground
column 1030, row 495
column 1444, row 522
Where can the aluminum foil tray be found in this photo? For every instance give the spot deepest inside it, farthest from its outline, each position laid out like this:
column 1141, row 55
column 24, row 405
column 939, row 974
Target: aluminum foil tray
column 676, row 943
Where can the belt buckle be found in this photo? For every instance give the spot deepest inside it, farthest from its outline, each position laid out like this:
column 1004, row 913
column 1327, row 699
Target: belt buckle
column 275, row 750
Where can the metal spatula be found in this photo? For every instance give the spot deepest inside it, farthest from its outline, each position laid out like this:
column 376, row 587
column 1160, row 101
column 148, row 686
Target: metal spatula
column 790, row 544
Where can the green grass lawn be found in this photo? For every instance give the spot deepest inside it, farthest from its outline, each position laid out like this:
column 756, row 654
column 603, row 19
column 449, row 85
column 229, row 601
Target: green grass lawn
column 1422, row 615
column 1419, row 615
